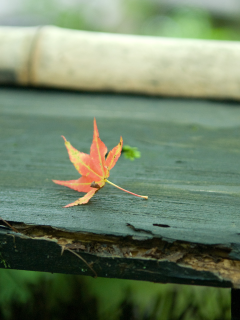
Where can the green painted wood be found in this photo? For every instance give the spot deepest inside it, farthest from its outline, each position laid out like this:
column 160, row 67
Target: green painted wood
column 189, row 166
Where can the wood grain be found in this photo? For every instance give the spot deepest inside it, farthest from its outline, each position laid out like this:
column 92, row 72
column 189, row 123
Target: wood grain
column 189, row 168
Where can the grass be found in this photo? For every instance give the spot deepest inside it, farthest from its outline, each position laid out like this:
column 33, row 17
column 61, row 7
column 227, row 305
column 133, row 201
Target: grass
column 35, row 295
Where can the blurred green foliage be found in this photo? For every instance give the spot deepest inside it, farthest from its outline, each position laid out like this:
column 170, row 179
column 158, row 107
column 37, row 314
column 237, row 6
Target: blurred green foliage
column 79, row 297
column 142, row 17
column 182, row 21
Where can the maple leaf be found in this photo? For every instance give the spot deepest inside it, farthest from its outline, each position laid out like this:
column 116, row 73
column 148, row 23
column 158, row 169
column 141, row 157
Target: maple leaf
column 93, row 167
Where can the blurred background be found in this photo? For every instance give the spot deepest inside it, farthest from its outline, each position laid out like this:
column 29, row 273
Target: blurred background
column 33, row 295
column 201, row 19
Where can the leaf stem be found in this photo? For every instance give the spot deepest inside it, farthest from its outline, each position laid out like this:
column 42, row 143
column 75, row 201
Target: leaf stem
column 137, row 195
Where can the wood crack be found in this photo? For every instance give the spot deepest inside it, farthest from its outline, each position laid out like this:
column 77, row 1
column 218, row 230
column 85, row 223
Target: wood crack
column 213, row 259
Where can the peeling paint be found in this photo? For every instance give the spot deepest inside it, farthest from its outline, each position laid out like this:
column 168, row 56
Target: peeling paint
column 201, row 258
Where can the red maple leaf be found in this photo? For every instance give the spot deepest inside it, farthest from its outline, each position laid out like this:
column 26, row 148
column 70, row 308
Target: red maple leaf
column 94, row 168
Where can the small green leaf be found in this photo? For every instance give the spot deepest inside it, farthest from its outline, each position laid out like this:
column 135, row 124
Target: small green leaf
column 131, row 153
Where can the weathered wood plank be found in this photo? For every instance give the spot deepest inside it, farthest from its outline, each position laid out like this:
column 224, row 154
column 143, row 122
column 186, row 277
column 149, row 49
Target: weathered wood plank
column 112, row 261
column 189, row 169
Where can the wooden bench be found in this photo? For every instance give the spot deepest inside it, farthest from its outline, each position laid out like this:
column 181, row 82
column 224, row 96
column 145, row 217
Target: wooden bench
column 187, row 232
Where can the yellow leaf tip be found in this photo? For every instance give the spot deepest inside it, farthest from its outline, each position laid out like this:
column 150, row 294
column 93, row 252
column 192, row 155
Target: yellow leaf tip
column 64, row 138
